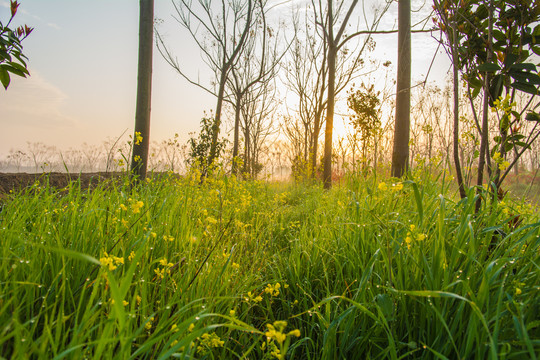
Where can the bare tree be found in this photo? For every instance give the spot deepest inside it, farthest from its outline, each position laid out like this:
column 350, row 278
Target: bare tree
column 258, row 116
column 320, row 61
column 257, row 65
column 326, row 19
column 220, row 29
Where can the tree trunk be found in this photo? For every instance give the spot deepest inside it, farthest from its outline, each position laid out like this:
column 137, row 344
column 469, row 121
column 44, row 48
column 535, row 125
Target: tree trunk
column 459, row 174
column 315, row 144
column 400, row 153
column 234, row 169
column 217, row 120
column 485, row 128
column 139, row 159
column 327, row 173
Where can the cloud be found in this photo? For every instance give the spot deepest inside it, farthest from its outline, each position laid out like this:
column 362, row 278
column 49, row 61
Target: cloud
column 54, row 26
column 34, row 102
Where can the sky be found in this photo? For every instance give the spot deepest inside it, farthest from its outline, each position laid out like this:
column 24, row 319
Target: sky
column 83, row 64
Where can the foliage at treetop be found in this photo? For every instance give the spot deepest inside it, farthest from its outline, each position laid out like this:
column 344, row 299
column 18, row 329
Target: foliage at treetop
column 508, row 33
column 12, row 60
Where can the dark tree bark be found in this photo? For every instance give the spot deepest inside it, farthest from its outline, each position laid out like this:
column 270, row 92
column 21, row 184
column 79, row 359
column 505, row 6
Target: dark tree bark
column 400, row 153
column 139, row 159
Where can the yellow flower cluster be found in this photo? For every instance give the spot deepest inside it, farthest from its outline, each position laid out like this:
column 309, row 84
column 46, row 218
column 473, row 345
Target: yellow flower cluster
column 252, row 297
column 503, row 104
column 273, row 290
column 209, row 341
column 413, row 234
column 394, row 187
column 166, row 237
column 136, row 205
column 138, row 138
column 273, row 349
column 503, row 164
column 148, row 325
column 160, row 272
column 276, row 332
column 111, row 261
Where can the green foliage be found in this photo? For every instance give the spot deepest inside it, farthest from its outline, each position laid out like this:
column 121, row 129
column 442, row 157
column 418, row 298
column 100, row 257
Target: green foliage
column 199, row 148
column 365, row 104
column 514, row 40
column 12, row 60
column 229, row 269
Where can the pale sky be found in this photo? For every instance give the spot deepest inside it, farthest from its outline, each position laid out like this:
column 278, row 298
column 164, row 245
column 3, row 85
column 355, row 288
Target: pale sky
column 83, row 64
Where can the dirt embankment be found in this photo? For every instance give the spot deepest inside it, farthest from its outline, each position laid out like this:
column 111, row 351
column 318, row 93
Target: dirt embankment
column 18, row 181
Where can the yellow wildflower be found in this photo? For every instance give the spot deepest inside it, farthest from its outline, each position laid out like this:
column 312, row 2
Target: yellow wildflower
column 273, row 290
column 136, row 206
column 252, row 297
column 148, row 324
column 382, row 186
column 209, row 341
column 138, row 138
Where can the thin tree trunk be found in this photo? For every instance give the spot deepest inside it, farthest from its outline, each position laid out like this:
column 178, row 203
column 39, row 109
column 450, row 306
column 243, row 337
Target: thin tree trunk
column 234, row 169
column 400, row 153
column 139, row 159
column 315, row 144
column 485, row 127
column 217, row 121
column 327, row 174
column 457, row 163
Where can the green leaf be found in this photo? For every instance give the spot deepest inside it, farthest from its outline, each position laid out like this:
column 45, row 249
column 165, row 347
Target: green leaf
column 4, row 77
column 532, row 116
column 9, row 67
column 495, row 88
column 529, row 89
column 510, row 60
column 516, row 137
column 523, row 66
column 488, row 67
column 385, row 303
column 522, row 144
column 499, row 35
column 19, row 67
column 70, row 253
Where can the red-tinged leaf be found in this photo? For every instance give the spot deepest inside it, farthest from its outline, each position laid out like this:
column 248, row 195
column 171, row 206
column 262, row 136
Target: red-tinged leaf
column 14, row 6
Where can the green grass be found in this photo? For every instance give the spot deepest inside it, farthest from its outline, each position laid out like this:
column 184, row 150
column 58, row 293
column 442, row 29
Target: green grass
column 365, row 270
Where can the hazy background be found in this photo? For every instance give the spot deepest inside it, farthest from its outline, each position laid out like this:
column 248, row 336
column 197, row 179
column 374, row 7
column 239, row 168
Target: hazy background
column 83, row 64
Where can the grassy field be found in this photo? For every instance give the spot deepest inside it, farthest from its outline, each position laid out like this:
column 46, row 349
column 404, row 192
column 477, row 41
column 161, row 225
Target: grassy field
column 373, row 269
